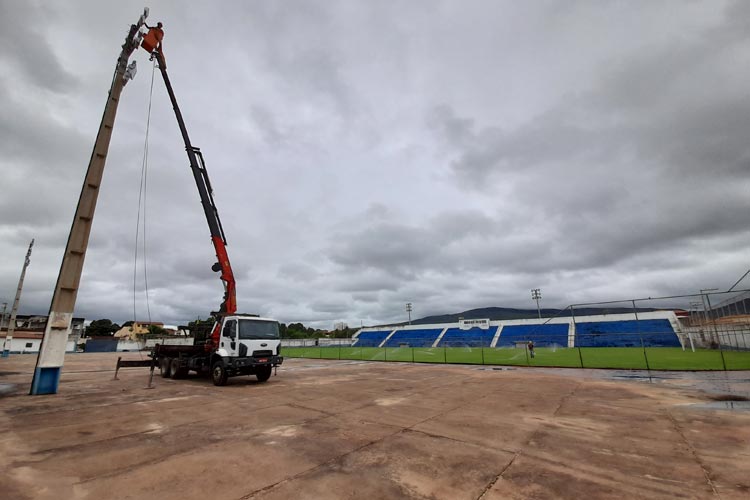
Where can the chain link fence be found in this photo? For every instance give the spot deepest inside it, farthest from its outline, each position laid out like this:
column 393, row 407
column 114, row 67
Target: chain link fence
column 705, row 331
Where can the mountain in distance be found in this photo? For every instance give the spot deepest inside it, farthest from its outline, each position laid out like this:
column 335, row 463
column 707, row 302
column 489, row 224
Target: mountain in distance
column 505, row 313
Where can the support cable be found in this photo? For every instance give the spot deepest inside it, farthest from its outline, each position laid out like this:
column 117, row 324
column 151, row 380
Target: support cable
column 738, row 281
column 142, row 203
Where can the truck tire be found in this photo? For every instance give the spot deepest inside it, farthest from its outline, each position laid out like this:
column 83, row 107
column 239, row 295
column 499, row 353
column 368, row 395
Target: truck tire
column 219, row 373
column 165, row 366
column 264, row 373
column 176, row 370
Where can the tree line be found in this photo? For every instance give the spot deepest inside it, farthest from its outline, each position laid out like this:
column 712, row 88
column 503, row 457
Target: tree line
column 107, row 328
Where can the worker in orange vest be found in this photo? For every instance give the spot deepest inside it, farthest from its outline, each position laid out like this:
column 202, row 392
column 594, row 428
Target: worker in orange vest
column 153, row 39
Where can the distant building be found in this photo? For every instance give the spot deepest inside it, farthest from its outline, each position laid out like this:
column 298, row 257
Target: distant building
column 29, row 331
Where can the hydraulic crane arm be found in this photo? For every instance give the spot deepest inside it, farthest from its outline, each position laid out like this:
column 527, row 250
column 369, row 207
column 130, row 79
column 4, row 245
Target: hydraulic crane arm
column 198, row 167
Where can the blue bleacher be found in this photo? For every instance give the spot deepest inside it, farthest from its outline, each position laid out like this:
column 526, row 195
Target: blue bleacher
column 475, row 337
column 541, row 335
column 414, row 338
column 654, row 332
column 371, row 339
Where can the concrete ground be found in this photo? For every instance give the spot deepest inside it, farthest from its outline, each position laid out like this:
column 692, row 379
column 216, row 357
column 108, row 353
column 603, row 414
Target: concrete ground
column 341, row 429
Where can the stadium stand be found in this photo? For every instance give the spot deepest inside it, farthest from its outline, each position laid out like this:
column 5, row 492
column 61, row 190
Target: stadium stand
column 371, row 339
column 474, row 337
column 414, row 338
column 654, row 332
column 542, row 335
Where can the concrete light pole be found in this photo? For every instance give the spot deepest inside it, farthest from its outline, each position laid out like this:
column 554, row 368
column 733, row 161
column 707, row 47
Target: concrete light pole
column 51, row 356
column 408, row 310
column 536, row 294
column 14, row 309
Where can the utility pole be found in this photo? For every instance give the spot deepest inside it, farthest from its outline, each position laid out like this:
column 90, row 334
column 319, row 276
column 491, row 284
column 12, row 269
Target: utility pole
column 14, row 309
column 536, row 294
column 2, row 318
column 408, row 310
column 52, row 351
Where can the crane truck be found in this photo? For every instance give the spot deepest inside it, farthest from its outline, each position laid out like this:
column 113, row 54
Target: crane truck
column 238, row 344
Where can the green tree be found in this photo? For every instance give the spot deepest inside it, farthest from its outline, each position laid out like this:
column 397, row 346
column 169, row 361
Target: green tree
column 156, row 330
column 297, row 331
column 101, row 328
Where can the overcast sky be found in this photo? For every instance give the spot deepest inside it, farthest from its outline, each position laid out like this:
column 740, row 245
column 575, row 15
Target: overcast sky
column 452, row 154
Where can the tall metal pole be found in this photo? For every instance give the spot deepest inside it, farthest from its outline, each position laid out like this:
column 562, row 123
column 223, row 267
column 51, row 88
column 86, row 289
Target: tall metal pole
column 14, row 309
column 408, row 310
column 536, row 294
column 707, row 310
column 52, row 351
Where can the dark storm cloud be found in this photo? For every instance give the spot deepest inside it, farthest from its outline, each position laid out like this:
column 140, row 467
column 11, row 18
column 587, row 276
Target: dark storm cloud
column 28, row 49
column 363, row 156
column 655, row 155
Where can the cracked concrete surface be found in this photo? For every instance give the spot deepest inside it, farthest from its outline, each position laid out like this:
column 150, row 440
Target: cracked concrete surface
column 336, row 429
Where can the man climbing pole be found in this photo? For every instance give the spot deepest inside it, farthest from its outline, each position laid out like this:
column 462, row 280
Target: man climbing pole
column 153, row 39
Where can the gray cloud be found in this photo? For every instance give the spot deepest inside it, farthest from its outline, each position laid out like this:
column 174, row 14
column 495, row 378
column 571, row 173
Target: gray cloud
column 451, row 155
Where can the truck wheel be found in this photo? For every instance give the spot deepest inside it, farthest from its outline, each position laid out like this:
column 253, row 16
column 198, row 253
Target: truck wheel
column 176, row 370
column 264, row 373
column 165, row 366
column 219, row 373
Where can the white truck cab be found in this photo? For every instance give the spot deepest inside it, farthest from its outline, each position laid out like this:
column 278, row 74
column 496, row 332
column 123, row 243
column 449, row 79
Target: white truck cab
column 248, row 345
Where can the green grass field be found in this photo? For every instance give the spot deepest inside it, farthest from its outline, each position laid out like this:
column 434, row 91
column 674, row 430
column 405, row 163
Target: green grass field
column 655, row 358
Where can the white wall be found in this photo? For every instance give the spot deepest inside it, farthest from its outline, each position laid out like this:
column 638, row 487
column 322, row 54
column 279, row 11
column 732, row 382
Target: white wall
column 19, row 346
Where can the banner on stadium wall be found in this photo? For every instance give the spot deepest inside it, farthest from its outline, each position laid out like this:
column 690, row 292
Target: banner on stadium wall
column 468, row 324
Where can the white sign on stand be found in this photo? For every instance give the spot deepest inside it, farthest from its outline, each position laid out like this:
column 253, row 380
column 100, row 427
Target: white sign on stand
column 468, row 324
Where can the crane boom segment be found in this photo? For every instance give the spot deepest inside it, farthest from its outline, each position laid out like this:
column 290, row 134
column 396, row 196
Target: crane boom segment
column 198, row 167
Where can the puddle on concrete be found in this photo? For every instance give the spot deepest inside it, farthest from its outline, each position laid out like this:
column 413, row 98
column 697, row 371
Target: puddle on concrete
column 724, row 405
column 6, row 389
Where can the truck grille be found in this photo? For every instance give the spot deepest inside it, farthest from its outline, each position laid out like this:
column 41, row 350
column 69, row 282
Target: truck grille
column 263, row 353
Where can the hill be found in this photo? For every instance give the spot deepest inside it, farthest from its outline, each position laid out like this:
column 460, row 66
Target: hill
column 506, row 313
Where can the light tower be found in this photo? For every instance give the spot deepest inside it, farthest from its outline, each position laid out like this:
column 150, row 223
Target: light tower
column 14, row 310
column 408, row 310
column 536, row 294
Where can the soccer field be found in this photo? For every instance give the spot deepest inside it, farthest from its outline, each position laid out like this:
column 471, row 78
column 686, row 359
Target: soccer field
column 655, row 358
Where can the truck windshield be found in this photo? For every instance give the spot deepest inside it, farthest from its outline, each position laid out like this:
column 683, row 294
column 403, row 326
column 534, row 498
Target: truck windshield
column 251, row 329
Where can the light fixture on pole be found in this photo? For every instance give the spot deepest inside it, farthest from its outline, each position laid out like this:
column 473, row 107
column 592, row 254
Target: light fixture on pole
column 408, row 310
column 536, row 294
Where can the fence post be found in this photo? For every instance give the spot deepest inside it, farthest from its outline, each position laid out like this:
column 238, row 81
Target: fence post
column 713, row 321
column 526, row 352
column 640, row 336
column 575, row 335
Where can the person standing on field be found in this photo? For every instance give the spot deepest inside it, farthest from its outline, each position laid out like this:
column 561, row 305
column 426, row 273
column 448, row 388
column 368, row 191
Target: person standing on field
column 530, row 346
